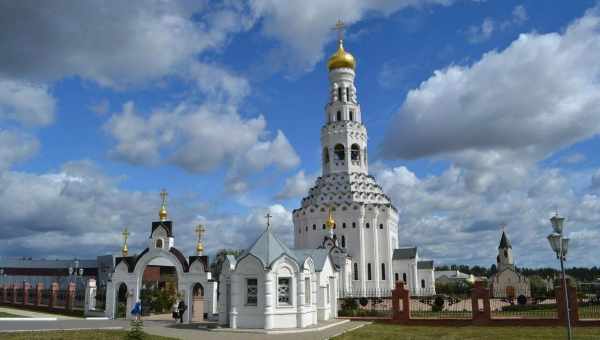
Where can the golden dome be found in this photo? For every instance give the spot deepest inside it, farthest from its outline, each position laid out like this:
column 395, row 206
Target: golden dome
column 330, row 223
column 341, row 59
column 162, row 214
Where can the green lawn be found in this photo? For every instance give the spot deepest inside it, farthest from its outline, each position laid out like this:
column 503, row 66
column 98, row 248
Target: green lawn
column 384, row 332
column 75, row 335
column 8, row 315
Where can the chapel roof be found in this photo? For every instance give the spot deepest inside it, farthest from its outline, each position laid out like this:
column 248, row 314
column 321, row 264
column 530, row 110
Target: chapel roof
column 427, row 264
column 405, row 253
column 268, row 248
column 319, row 256
column 504, row 241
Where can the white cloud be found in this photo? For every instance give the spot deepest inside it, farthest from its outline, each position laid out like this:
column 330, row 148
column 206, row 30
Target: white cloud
column 116, row 44
column 483, row 32
column 304, row 27
column 16, row 147
column 199, row 139
column 538, row 95
column 26, row 103
column 296, row 186
column 452, row 223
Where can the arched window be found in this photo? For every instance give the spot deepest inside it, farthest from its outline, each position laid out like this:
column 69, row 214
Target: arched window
column 339, row 93
column 323, row 225
column 343, row 241
column 383, row 271
column 347, row 94
column 353, row 224
column 396, row 276
column 381, row 226
column 351, row 115
column 338, row 116
column 422, row 283
column 344, row 225
column 365, row 156
column 497, row 259
column 159, row 243
column 369, row 271
column 325, row 155
column 306, row 228
column 355, row 152
column 404, row 277
column 368, row 226
column 355, row 271
column 505, row 253
column 314, row 227
column 340, row 152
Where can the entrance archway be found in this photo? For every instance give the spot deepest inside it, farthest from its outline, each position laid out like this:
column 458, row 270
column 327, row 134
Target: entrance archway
column 122, row 293
column 198, row 302
column 159, row 289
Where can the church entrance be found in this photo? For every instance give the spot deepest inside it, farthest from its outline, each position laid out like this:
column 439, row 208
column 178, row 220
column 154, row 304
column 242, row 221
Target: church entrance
column 122, row 295
column 198, row 303
column 159, row 292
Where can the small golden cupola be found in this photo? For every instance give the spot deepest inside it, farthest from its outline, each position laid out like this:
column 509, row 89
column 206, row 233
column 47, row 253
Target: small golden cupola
column 162, row 213
column 330, row 223
column 341, row 58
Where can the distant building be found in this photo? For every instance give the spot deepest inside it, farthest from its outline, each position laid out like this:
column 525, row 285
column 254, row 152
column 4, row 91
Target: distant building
column 16, row 271
column 419, row 275
column 507, row 282
column 445, row 277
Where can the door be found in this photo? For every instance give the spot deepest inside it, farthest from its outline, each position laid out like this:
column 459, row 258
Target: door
column 198, row 303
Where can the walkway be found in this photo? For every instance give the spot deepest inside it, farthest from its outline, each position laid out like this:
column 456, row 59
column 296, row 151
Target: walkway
column 34, row 314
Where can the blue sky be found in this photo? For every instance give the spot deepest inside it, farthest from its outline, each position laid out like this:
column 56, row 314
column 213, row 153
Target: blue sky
column 478, row 112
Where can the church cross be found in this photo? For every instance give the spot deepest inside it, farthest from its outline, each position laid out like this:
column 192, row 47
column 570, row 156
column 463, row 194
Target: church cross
column 340, row 27
column 200, row 231
column 125, row 234
column 268, row 217
column 503, row 226
column 163, row 196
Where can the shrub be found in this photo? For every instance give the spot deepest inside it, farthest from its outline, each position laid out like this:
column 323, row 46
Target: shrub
column 349, row 304
column 135, row 332
column 521, row 300
column 363, row 301
column 438, row 304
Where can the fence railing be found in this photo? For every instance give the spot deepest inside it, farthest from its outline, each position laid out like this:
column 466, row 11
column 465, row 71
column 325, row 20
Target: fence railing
column 440, row 306
column 588, row 300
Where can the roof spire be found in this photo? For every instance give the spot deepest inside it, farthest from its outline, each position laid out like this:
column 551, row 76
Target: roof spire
column 268, row 217
column 162, row 213
column 125, row 250
column 199, row 246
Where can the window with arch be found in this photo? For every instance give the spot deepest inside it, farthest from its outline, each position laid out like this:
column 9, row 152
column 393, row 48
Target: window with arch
column 353, row 224
column 351, row 115
column 369, row 271
column 340, row 152
column 383, row 271
column 422, row 283
column 338, row 116
column 505, row 253
column 365, row 156
column 339, row 93
column 347, row 94
column 368, row 225
column 325, row 155
column 314, row 227
column 355, row 271
column 396, row 277
column 159, row 243
column 404, row 277
column 344, row 225
column 355, row 152
column 323, row 225
column 381, row 226
column 343, row 241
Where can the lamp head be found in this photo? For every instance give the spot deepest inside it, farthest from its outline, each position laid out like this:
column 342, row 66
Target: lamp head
column 565, row 246
column 557, row 223
column 554, row 240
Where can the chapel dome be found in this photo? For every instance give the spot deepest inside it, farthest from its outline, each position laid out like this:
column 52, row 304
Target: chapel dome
column 341, row 59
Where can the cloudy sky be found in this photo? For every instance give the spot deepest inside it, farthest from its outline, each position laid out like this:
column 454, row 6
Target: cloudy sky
column 479, row 113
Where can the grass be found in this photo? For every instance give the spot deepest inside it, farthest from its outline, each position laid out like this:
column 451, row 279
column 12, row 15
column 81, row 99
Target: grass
column 385, row 332
column 76, row 335
column 9, row 315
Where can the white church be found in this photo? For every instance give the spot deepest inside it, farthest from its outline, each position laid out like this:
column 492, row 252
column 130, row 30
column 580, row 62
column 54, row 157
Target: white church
column 345, row 239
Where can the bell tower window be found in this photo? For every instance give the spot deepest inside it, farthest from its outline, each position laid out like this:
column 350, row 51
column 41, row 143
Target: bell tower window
column 325, row 155
column 159, row 243
column 351, row 115
column 347, row 94
column 338, row 116
column 355, row 152
column 339, row 93
column 343, row 241
column 340, row 152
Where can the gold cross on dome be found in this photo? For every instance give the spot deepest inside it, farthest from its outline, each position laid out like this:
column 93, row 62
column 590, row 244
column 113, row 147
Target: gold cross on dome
column 125, row 234
column 163, row 196
column 503, row 226
column 268, row 217
column 340, row 27
column 200, row 231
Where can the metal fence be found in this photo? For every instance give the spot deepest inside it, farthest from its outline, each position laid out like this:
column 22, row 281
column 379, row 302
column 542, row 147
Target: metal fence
column 365, row 302
column 46, row 294
column 20, row 295
column 429, row 305
column 61, row 298
column 31, row 296
column 101, row 298
column 79, row 301
column 542, row 306
column 588, row 299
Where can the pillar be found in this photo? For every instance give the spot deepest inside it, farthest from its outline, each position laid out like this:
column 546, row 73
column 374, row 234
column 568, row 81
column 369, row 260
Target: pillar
column 235, row 300
column 269, row 299
column 480, row 303
column 400, row 303
column 71, row 291
column 300, row 300
column 14, row 295
column 39, row 290
column 89, row 298
column 53, row 295
column 4, row 289
column 26, row 288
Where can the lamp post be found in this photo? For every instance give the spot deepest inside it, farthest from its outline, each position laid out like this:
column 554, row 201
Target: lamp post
column 560, row 245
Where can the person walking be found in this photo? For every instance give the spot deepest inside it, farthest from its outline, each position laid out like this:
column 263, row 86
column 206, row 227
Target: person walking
column 181, row 309
column 137, row 310
column 175, row 310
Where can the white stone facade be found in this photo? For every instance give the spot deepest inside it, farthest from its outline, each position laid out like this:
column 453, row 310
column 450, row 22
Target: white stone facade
column 417, row 274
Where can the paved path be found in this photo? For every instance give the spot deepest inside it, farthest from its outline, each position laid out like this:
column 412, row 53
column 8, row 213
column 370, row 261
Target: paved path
column 34, row 314
column 183, row 332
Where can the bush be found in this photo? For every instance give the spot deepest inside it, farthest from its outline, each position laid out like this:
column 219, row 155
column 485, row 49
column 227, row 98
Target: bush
column 349, row 304
column 136, row 332
column 363, row 301
column 522, row 300
column 438, row 304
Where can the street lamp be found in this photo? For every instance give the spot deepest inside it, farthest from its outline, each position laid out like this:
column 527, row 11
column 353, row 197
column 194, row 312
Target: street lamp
column 560, row 246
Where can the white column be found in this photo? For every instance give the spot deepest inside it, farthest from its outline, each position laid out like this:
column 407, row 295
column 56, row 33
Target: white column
column 269, row 299
column 111, row 297
column 235, row 300
column 300, row 300
column 89, row 297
